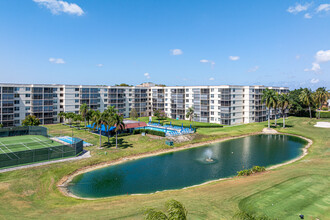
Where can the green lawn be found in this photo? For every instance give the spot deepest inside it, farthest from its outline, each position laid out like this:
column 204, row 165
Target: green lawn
column 283, row 193
column 25, row 142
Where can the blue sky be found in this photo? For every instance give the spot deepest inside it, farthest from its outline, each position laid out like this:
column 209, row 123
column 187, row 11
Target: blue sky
column 175, row 42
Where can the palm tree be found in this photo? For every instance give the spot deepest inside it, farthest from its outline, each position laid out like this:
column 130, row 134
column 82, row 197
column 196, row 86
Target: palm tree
column 62, row 115
column 320, row 96
column 283, row 103
column 175, row 210
column 307, row 99
column 98, row 120
column 70, row 116
column 275, row 105
column 118, row 121
column 110, row 111
column 268, row 98
column 83, row 111
column 89, row 115
column 31, row 120
column 190, row 113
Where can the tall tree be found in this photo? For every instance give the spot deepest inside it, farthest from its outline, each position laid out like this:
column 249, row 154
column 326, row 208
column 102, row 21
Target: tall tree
column 70, row 116
column 268, row 98
column 31, row 120
column 283, row 103
column 275, row 105
column 97, row 121
column 83, row 111
column 190, row 113
column 89, row 115
column 133, row 114
column 110, row 111
column 62, row 115
column 118, row 120
column 321, row 95
column 307, row 98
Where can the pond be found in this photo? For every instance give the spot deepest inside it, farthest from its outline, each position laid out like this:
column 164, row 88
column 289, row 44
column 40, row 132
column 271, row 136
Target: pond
column 187, row 167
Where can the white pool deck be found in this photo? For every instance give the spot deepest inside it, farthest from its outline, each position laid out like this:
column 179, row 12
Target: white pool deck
column 322, row 124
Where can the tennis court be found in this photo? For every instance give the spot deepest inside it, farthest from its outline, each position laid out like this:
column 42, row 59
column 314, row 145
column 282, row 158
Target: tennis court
column 25, row 142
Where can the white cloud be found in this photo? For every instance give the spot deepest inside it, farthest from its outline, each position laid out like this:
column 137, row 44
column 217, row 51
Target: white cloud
column 315, row 81
column 208, row 61
column 211, row 79
column 308, row 16
column 298, row 8
column 99, row 65
column 298, row 57
column 56, row 60
column 234, row 58
column 58, row 6
column 315, row 68
column 176, row 52
column 253, row 69
column 322, row 56
column 147, row 75
column 323, row 7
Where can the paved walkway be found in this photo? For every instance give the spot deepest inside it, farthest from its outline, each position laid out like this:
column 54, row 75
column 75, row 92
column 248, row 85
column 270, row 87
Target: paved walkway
column 322, row 124
column 269, row 131
column 86, row 154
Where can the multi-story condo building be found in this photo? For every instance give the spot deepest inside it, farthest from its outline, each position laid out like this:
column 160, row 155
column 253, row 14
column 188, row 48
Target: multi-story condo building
column 227, row 105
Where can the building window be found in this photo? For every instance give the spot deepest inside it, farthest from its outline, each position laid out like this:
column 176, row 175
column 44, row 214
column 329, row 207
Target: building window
column 212, row 95
column 27, row 89
column 16, row 109
column 16, row 102
column 27, row 95
column 233, row 90
column 16, row 115
column 76, row 95
column 233, row 114
column 187, row 90
column 233, row 96
column 16, row 95
column 187, row 100
column 233, row 102
column 27, row 102
column 76, row 100
column 76, row 106
column 187, row 95
column 76, row 89
column 233, row 108
column 27, row 108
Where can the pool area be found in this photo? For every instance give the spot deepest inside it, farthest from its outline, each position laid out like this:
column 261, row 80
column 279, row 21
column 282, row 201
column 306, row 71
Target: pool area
column 71, row 140
column 184, row 168
column 169, row 130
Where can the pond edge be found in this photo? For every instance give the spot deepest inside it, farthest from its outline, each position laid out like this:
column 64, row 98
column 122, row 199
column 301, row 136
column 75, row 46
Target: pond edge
column 63, row 183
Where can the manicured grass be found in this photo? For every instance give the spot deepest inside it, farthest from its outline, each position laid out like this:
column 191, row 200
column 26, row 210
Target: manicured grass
column 25, row 142
column 301, row 186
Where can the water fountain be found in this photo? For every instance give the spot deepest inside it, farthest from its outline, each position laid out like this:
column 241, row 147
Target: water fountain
column 208, row 154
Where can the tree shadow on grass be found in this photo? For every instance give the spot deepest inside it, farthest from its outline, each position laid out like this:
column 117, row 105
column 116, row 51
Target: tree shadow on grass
column 122, row 144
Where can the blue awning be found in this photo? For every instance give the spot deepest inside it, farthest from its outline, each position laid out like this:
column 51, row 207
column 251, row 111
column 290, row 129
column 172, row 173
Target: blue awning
column 102, row 128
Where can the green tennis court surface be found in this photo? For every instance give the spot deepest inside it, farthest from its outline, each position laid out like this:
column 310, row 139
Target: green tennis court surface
column 26, row 142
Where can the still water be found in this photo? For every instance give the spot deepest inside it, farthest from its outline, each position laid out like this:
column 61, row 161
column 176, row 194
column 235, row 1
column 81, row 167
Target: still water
column 187, row 167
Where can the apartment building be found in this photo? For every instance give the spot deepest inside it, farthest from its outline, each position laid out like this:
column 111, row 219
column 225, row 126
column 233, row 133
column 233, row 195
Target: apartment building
column 226, row 104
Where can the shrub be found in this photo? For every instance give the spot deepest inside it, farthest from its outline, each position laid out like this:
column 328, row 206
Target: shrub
column 123, row 134
column 324, row 114
column 248, row 172
column 325, row 108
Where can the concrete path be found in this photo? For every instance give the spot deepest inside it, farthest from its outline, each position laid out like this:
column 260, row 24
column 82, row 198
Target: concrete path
column 269, row 131
column 86, row 154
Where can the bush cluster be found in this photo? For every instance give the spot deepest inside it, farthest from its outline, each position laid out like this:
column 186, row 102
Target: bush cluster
column 148, row 131
column 123, row 134
column 323, row 114
column 248, row 172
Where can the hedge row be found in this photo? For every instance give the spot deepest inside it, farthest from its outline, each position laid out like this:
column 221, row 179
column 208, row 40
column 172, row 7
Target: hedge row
column 323, row 114
column 204, row 125
column 255, row 169
column 148, row 131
